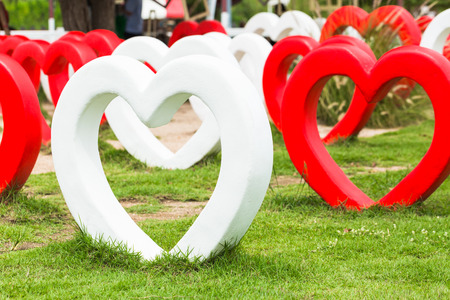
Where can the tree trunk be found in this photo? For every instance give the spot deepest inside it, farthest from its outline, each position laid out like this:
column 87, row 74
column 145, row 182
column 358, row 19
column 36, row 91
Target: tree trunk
column 103, row 14
column 75, row 15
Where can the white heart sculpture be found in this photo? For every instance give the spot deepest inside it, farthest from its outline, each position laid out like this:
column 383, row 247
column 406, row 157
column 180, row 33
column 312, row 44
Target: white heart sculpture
column 244, row 130
column 437, row 32
column 290, row 23
column 135, row 136
column 251, row 50
column 220, row 37
column 262, row 23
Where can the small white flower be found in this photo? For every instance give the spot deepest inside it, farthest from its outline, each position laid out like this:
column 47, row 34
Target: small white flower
column 413, row 232
column 395, row 226
column 424, row 231
column 411, row 240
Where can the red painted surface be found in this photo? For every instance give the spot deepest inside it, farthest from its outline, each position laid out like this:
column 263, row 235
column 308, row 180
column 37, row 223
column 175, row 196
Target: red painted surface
column 9, row 44
column 102, row 41
column 21, row 139
column 187, row 28
column 374, row 79
column 423, row 22
column 446, row 50
column 57, row 59
column 274, row 82
column 175, row 10
column 31, row 55
column 73, row 35
column 395, row 17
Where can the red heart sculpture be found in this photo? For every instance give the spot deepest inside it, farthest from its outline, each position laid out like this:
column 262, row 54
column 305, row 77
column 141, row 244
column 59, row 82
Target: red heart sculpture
column 31, row 55
column 446, row 50
column 187, row 28
column 274, row 82
column 73, row 35
column 396, row 17
column 57, row 59
column 8, row 45
column 423, row 22
column 430, row 69
column 21, row 139
column 102, row 41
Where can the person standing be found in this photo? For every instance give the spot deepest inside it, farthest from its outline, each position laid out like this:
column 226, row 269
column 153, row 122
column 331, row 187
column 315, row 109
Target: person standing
column 133, row 11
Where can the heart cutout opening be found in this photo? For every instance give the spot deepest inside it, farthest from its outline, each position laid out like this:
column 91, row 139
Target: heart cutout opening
column 180, row 129
column 360, row 157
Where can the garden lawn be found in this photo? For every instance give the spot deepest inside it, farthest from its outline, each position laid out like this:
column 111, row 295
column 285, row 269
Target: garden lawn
column 297, row 246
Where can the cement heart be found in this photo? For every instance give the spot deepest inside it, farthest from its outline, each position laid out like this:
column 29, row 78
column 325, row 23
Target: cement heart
column 250, row 50
column 21, row 139
column 396, row 17
column 437, row 33
column 244, row 130
column 30, row 55
column 135, row 136
column 374, row 80
column 188, row 28
column 274, row 82
column 290, row 23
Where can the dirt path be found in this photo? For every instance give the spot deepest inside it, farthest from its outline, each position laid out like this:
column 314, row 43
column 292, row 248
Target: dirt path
column 175, row 134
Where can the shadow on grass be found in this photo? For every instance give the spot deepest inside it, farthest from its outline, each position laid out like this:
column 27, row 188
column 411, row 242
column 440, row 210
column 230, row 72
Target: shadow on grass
column 22, row 209
column 303, row 200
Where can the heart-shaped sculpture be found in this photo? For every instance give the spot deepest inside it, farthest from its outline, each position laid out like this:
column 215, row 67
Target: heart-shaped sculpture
column 31, row 55
column 251, row 51
column 374, row 80
column 135, row 136
column 102, row 41
column 290, row 23
column 423, row 22
column 57, row 59
column 274, row 82
column 244, row 130
column 8, row 45
column 21, row 140
column 187, row 28
column 396, row 17
column 437, row 34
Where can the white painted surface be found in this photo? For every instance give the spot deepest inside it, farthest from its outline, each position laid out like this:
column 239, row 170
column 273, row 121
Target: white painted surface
column 244, row 130
column 437, row 32
column 290, row 23
column 135, row 136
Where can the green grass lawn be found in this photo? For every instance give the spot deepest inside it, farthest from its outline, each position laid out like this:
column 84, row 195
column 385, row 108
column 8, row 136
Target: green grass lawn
column 297, row 246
